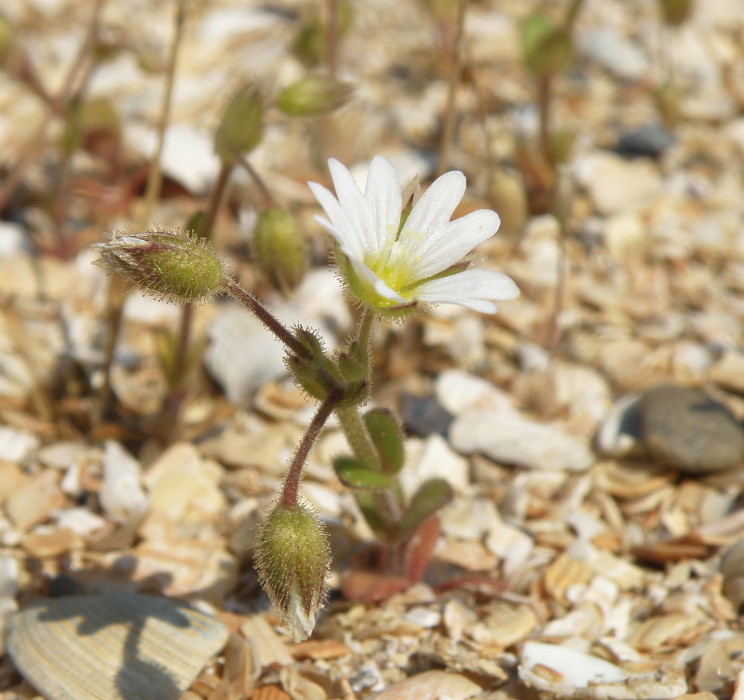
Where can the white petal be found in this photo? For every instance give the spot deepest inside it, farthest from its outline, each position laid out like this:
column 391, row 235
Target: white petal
column 382, row 196
column 457, row 239
column 352, row 203
column 343, row 229
column 359, row 210
column 432, row 212
column 474, row 289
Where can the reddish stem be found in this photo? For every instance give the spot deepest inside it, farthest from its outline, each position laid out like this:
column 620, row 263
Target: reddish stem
column 294, row 475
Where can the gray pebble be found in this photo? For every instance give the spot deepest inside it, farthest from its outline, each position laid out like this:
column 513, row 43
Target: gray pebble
column 684, row 427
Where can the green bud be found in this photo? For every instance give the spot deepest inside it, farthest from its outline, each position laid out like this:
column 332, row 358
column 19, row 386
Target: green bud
column 547, row 48
column 241, row 126
column 292, row 560
column 279, row 249
column 675, row 12
column 171, row 265
column 312, row 95
column 388, row 439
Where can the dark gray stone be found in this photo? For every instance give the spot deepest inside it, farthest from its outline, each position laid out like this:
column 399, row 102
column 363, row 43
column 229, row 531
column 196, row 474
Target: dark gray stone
column 684, row 427
column 650, row 140
column 424, row 415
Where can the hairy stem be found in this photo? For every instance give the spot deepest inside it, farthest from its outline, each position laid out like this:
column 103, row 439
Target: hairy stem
column 294, row 475
column 266, row 317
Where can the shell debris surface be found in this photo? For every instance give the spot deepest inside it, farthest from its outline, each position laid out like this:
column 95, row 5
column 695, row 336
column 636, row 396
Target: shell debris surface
column 112, row 646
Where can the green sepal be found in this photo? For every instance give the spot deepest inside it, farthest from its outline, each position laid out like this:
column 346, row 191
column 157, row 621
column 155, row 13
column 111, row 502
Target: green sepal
column 315, row 372
column 548, row 49
column 355, row 475
column 430, row 497
column 352, row 369
column 387, row 437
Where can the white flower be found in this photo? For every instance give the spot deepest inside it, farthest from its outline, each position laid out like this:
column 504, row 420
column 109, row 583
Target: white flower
column 392, row 265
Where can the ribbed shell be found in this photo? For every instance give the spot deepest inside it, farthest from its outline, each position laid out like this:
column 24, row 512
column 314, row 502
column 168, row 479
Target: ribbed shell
column 112, row 647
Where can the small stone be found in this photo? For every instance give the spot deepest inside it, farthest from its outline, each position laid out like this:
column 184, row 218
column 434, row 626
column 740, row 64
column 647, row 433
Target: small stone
column 620, row 434
column 616, row 185
column 728, row 372
column 424, row 415
column 647, row 140
column 50, row 544
column 510, row 438
column 619, row 55
column 431, row 685
column 35, row 499
column 16, row 445
column 684, row 427
column 121, row 495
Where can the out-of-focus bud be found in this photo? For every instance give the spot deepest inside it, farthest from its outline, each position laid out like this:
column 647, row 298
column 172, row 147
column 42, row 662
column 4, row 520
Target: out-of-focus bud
column 675, row 12
column 241, row 126
column 547, row 48
column 314, row 94
column 172, row 265
column 279, row 248
column 292, row 559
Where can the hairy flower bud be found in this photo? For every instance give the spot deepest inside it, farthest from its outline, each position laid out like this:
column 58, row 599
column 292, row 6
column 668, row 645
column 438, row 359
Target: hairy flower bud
column 312, row 95
column 173, row 265
column 280, row 249
column 292, row 560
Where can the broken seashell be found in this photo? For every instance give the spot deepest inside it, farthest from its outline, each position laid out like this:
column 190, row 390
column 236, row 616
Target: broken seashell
column 562, row 670
column 117, row 646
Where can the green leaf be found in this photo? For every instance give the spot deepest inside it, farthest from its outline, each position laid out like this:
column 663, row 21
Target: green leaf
column 356, row 476
column 387, row 437
column 368, row 506
column 430, row 497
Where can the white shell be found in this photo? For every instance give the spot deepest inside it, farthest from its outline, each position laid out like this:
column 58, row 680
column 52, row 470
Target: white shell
column 112, row 647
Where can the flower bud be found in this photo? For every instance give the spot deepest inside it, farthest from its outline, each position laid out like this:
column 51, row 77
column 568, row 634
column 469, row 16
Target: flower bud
column 292, row 559
column 280, row 249
column 548, row 49
column 172, row 265
column 312, row 95
column 241, row 126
